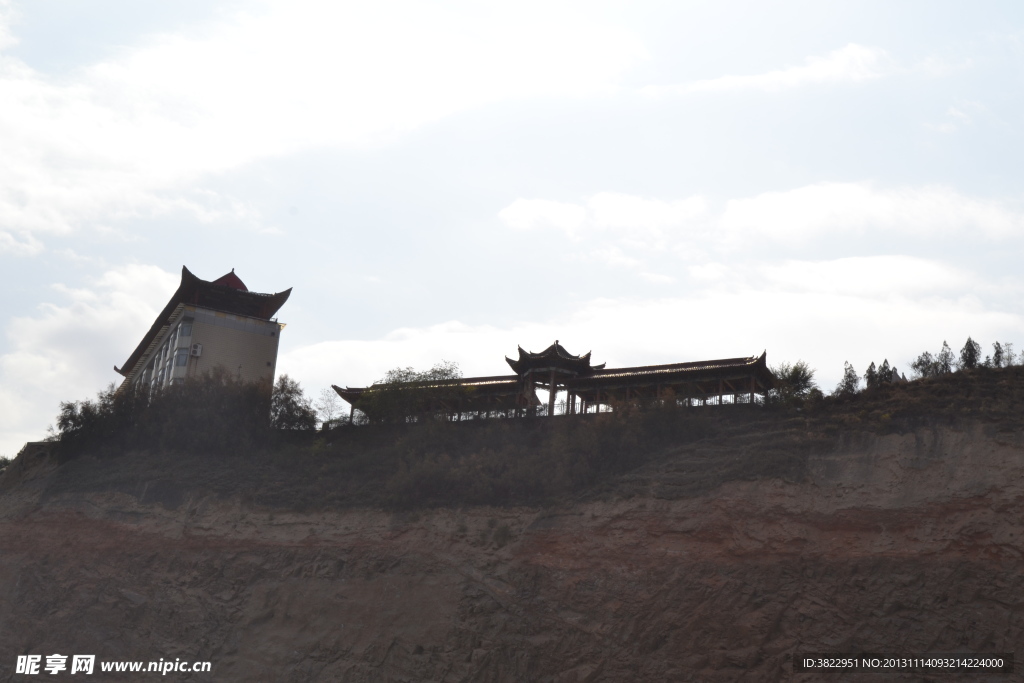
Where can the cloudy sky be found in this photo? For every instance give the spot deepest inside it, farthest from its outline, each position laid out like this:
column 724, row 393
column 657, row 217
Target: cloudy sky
column 655, row 182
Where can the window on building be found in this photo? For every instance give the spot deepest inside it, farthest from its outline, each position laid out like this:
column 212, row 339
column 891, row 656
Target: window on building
column 181, row 357
column 185, row 329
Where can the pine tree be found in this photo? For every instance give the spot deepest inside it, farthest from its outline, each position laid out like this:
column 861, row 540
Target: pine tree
column 871, row 376
column 970, row 355
column 850, row 382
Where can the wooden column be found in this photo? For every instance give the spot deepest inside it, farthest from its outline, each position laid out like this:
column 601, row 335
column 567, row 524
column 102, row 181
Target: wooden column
column 529, row 410
column 753, row 388
column 551, row 394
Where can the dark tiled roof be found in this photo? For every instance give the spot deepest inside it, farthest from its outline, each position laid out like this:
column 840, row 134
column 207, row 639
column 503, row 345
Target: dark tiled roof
column 555, row 356
column 680, row 372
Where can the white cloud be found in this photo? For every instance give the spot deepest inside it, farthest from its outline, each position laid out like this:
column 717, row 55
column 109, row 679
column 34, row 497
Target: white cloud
column 658, row 278
column 7, row 18
column 627, row 212
column 957, row 117
column 638, row 232
column 19, row 244
column 612, row 256
column 54, row 354
column 126, row 137
column 821, row 327
column 827, row 209
column 871, row 276
column 627, row 216
column 539, row 214
column 850, row 64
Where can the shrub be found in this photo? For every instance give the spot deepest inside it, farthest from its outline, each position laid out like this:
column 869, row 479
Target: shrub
column 794, row 384
column 212, row 413
column 405, row 395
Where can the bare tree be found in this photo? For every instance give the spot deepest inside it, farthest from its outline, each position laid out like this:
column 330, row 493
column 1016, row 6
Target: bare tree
column 328, row 405
column 945, row 360
column 998, row 355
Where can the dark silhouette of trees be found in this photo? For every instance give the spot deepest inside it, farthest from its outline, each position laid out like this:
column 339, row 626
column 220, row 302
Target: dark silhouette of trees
column 885, row 373
column 794, row 383
column 871, row 376
column 970, row 355
column 925, row 365
column 212, row 413
column 406, row 395
column 998, row 355
column 945, row 359
column 289, row 407
column 850, row 382
column 1008, row 354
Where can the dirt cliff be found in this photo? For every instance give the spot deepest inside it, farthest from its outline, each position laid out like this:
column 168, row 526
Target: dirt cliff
column 899, row 540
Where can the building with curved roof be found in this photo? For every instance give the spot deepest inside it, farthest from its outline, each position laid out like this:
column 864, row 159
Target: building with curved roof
column 209, row 324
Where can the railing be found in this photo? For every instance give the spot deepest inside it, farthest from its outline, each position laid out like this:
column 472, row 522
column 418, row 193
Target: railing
column 561, row 408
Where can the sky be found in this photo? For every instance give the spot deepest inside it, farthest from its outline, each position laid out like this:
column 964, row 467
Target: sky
column 654, row 182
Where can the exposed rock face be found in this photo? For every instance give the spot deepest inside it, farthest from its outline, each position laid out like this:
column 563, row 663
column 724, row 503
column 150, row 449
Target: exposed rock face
column 902, row 543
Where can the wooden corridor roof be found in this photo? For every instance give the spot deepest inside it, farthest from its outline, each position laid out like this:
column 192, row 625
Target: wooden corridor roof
column 705, row 375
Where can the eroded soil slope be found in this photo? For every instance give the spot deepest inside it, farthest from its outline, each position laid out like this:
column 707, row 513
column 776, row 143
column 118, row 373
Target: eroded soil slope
column 905, row 542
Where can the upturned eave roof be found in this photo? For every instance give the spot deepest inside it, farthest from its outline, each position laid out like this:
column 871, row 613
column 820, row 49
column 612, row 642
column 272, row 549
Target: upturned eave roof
column 553, row 357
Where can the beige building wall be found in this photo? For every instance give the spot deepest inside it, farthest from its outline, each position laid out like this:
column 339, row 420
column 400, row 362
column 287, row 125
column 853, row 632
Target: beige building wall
column 245, row 347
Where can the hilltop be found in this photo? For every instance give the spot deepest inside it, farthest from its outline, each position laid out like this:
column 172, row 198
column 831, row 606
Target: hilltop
column 696, row 544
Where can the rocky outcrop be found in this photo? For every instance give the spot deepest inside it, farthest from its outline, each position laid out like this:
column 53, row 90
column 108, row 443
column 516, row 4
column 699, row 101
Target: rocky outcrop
column 898, row 543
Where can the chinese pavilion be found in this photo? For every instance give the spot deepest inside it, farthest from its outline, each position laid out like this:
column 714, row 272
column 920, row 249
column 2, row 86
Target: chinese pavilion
column 588, row 387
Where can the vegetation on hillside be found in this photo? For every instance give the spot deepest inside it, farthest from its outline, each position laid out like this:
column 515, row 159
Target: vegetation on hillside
column 215, row 435
column 405, row 395
column 216, row 413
